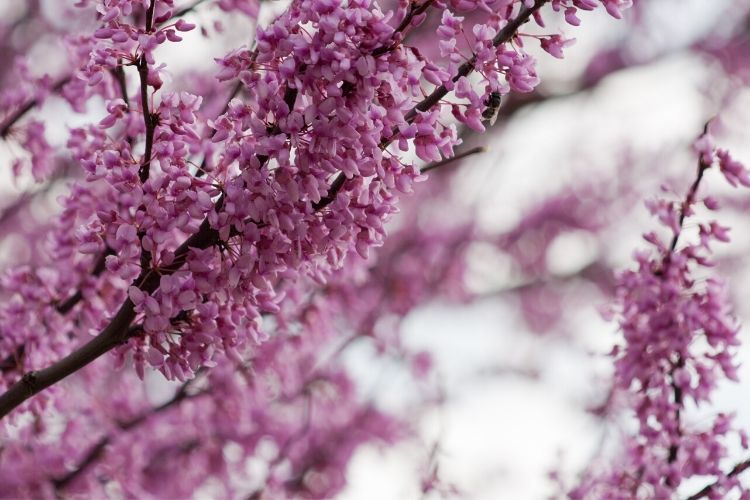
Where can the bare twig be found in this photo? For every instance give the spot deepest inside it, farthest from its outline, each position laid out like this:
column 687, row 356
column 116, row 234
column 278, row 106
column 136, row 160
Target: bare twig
column 187, row 10
column 447, row 161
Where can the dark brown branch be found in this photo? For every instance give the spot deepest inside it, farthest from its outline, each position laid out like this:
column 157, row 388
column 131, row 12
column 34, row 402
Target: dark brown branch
column 12, row 119
column 678, row 401
column 234, row 93
column 401, row 28
column 67, row 305
column 447, row 161
column 150, row 16
column 35, row 381
column 737, row 470
column 689, row 200
column 113, row 335
column 97, row 450
column 119, row 75
column 336, row 186
column 149, row 120
column 503, row 36
column 187, row 10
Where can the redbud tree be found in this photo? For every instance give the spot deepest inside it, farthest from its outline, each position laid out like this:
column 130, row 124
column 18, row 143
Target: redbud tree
column 214, row 200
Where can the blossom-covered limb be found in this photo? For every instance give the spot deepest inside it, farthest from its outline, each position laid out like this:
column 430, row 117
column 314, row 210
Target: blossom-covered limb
column 678, row 365
column 503, row 36
column 206, row 236
column 679, row 340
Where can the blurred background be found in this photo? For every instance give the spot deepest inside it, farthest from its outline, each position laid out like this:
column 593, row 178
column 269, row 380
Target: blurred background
column 522, row 368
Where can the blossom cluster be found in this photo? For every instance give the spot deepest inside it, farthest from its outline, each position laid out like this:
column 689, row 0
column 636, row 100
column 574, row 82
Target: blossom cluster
column 305, row 174
column 288, row 409
column 679, row 338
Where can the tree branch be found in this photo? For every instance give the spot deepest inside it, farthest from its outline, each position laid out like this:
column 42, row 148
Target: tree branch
column 148, row 119
column 148, row 281
column 68, row 304
column 113, row 335
column 12, row 119
column 689, row 200
column 187, row 10
column 447, row 161
column 503, row 36
column 234, row 93
column 97, row 450
column 737, row 470
column 119, row 75
column 413, row 11
column 35, row 381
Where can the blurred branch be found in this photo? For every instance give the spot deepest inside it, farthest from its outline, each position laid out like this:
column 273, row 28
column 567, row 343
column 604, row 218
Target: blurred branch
column 13, row 118
column 708, row 490
column 98, row 449
column 186, row 10
column 23, row 200
column 504, row 35
column 596, row 272
column 447, row 161
column 68, row 304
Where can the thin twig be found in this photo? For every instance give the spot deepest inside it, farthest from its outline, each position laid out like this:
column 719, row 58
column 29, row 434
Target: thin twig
column 447, row 161
column 680, row 362
column 503, row 36
column 234, row 93
column 68, row 304
column 737, row 470
column 401, row 28
column 97, row 450
column 119, row 75
column 12, row 119
column 187, row 10
column 149, row 120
